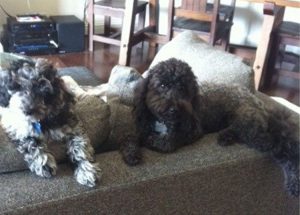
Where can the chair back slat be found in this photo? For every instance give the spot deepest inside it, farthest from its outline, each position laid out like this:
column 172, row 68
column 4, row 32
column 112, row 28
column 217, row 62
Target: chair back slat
column 194, row 9
column 208, row 17
column 184, row 4
column 196, row 6
column 203, row 5
column 189, row 4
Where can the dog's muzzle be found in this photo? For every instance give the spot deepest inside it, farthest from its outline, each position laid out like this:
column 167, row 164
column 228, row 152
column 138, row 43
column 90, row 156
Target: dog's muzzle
column 174, row 111
column 44, row 87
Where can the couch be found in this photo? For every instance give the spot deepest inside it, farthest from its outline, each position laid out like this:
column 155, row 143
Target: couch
column 201, row 178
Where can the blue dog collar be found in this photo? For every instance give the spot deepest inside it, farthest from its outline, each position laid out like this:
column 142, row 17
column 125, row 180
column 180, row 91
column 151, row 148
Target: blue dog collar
column 37, row 127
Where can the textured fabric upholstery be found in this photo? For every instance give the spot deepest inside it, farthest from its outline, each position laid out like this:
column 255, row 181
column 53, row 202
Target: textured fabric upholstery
column 201, row 178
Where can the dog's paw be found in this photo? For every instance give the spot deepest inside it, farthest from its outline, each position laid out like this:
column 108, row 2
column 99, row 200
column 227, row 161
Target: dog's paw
column 225, row 139
column 263, row 146
column 292, row 187
column 161, row 144
column 87, row 173
column 132, row 159
column 130, row 151
column 43, row 165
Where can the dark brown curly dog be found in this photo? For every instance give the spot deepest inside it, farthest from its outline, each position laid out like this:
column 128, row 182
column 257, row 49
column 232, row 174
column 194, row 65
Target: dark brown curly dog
column 166, row 110
column 171, row 110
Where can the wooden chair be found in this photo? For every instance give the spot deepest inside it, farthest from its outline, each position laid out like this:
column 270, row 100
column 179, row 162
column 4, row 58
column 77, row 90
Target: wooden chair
column 151, row 33
column 125, row 10
column 212, row 21
column 282, row 63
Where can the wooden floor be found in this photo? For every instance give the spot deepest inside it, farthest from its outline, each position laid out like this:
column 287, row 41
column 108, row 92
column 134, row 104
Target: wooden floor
column 102, row 60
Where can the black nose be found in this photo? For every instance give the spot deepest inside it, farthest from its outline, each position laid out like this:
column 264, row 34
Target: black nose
column 45, row 87
column 172, row 110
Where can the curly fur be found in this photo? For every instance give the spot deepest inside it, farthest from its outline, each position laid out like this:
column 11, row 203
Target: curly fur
column 165, row 110
column 36, row 108
column 171, row 110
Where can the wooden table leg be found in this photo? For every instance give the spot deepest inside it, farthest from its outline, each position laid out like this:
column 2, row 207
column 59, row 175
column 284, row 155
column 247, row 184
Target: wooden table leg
column 91, row 24
column 127, row 32
column 273, row 16
column 153, row 22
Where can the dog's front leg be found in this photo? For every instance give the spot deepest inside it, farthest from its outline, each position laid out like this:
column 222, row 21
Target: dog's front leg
column 291, row 173
column 161, row 142
column 38, row 159
column 81, row 154
column 226, row 136
column 28, row 138
column 130, row 150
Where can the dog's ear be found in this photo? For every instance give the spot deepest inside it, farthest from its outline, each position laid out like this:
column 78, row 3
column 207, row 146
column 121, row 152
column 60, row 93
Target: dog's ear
column 140, row 92
column 140, row 110
column 16, row 83
column 43, row 87
column 46, row 68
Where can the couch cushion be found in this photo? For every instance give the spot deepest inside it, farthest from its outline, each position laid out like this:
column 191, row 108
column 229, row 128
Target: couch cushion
column 208, row 63
column 202, row 178
column 121, row 84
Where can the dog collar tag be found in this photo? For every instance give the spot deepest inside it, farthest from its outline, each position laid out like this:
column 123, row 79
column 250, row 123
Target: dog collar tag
column 37, row 127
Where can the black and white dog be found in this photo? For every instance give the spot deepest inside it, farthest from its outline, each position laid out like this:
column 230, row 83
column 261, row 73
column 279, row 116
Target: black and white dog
column 36, row 108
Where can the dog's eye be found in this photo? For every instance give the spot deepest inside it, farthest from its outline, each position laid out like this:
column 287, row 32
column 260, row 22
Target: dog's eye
column 162, row 86
column 180, row 87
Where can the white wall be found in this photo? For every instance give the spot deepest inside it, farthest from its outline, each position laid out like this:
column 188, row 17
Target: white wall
column 245, row 31
column 248, row 20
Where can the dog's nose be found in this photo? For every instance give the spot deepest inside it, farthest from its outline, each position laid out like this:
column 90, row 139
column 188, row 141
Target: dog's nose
column 172, row 110
column 45, row 87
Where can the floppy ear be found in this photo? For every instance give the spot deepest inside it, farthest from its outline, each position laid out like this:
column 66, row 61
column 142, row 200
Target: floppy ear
column 5, row 79
column 143, row 116
column 13, row 83
column 196, row 104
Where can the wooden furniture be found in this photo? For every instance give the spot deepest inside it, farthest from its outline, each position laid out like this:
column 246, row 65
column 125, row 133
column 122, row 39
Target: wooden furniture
column 125, row 10
column 282, row 63
column 152, row 34
column 211, row 21
column 273, row 16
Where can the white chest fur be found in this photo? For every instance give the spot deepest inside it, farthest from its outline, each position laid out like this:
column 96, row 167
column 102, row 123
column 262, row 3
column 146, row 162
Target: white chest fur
column 160, row 127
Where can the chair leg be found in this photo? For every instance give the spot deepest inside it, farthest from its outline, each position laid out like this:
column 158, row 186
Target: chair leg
column 152, row 50
column 225, row 41
column 127, row 32
column 141, row 24
column 91, row 21
column 271, row 74
column 107, row 24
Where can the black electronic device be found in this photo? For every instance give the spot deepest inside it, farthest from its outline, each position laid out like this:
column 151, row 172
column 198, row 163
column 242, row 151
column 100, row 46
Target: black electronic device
column 34, row 49
column 31, row 35
column 70, row 33
column 23, row 23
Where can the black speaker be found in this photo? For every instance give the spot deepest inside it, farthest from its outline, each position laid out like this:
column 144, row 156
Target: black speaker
column 70, row 33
